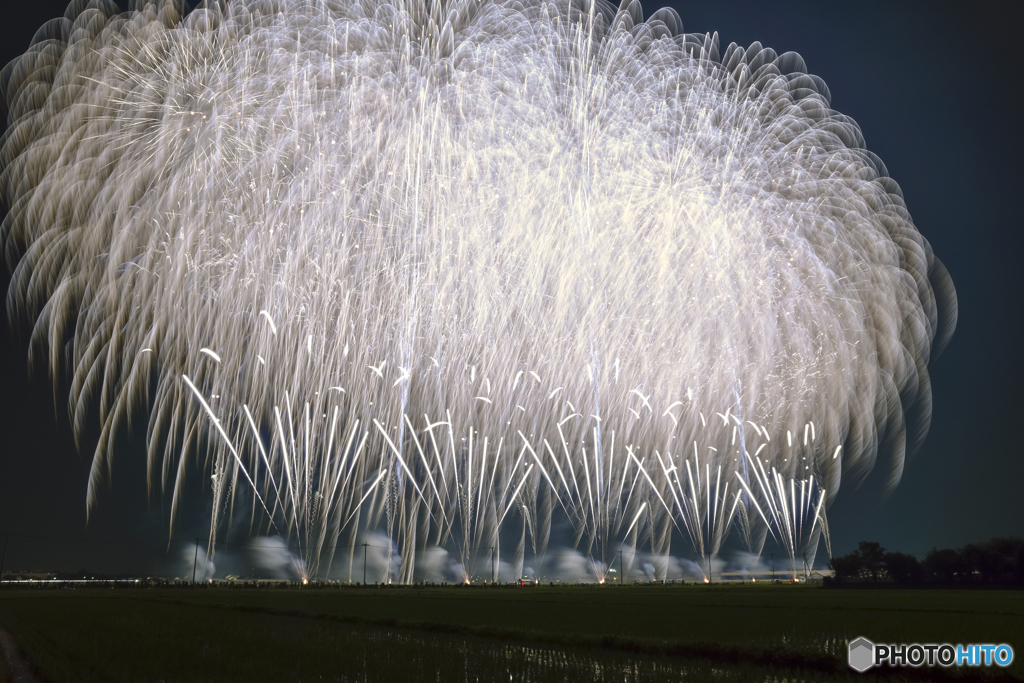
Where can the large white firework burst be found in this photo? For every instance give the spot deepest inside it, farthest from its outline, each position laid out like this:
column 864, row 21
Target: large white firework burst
column 427, row 267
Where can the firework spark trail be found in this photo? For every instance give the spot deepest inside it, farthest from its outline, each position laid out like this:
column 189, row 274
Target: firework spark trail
column 538, row 220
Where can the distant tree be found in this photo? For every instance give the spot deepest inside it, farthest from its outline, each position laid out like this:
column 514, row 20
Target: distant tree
column 903, row 568
column 946, row 566
column 872, row 558
column 981, row 564
column 846, row 567
column 1012, row 549
column 994, row 561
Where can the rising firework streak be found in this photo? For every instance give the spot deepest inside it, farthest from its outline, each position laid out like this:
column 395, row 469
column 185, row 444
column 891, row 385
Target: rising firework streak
column 462, row 272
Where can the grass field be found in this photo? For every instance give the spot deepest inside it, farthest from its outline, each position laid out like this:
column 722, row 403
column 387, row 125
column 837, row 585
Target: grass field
column 734, row 632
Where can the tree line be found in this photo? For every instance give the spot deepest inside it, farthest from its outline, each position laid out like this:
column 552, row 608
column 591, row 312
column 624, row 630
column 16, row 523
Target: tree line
column 999, row 561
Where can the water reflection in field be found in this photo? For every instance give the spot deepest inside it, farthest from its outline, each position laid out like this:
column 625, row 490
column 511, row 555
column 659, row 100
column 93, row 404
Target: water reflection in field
column 382, row 656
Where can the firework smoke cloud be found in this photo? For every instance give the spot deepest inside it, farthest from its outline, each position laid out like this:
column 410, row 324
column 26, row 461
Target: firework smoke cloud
column 459, row 273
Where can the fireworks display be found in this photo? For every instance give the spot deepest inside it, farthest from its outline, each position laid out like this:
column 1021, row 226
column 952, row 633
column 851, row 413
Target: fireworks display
column 461, row 273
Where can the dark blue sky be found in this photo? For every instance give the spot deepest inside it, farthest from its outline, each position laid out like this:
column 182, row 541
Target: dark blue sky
column 936, row 89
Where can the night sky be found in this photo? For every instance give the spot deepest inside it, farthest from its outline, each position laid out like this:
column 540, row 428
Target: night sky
column 937, row 91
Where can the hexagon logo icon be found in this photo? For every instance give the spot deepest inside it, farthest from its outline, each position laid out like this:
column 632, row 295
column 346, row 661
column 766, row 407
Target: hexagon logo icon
column 862, row 654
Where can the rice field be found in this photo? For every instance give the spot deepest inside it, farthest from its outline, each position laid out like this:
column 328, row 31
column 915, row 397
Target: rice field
column 538, row 633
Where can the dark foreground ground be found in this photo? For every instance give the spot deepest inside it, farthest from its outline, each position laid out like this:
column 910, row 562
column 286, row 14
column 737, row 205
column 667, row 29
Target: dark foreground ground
column 539, row 633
